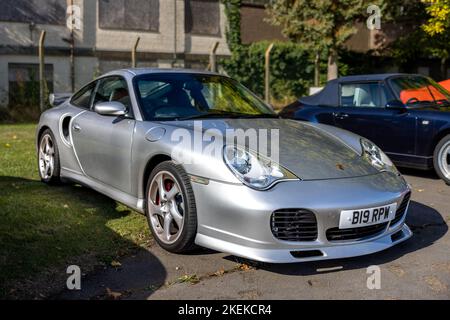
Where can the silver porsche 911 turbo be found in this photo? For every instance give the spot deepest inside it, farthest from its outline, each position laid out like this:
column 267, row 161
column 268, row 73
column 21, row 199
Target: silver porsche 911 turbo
column 158, row 141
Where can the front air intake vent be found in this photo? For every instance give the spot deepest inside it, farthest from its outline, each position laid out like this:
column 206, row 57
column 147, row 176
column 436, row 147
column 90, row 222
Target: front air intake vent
column 355, row 234
column 401, row 210
column 294, row 225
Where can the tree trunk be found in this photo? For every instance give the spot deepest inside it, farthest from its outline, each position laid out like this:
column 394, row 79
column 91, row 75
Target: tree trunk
column 444, row 68
column 317, row 70
column 332, row 65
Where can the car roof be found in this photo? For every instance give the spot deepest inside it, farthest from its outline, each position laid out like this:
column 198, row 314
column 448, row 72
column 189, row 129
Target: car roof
column 329, row 95
column 374, row 77
column 140, row 71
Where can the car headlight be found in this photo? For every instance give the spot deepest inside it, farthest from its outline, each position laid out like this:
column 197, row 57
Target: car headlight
column 254, row 170
column 376, row 157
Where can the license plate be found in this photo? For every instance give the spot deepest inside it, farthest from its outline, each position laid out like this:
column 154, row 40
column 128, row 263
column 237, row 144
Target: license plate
column 367, row 217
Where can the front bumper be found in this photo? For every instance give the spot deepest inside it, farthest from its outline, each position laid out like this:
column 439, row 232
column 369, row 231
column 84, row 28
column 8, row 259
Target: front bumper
column 236, row 219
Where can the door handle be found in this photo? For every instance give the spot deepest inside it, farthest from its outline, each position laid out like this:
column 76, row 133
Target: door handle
column 76, row 127
column 340, row 115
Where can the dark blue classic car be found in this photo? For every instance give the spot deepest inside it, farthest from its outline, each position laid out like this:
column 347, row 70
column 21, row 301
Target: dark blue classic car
column 408, row 116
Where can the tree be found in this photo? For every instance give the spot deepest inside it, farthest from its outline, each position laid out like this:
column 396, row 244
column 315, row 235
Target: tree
column 438, row 30
column 431, row 40
column 320, row 25
column 439, row 17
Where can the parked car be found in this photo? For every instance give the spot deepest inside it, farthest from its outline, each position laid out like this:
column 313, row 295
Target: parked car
column 407, row 116
column 331, row 194
column 445, row 84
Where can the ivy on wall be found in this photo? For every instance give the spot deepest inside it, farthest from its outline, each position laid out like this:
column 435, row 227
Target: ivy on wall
column 233, row 13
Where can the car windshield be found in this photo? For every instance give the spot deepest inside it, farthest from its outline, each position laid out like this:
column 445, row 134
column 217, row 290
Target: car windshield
column 188, row 96
column 417, row 90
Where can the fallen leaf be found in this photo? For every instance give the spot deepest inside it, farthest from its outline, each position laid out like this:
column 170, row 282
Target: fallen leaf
column 113, row 294
column 220, row 272
column 244, row 267
column 115, row 264
column 192, row 279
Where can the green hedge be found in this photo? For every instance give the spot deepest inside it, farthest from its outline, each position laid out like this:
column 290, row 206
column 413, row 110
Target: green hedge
column 291, row 69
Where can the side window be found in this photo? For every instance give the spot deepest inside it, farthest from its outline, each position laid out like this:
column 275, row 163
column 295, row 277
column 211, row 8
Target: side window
column 82, row 98
column 362, row 95
column 113, row 89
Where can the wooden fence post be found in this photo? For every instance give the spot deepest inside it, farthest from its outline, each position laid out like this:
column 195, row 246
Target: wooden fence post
column 267, row 73
column 133, row 53
column 42, row 83
column 212, row 57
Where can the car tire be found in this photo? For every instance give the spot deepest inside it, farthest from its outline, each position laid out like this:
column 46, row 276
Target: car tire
column 441, row 159
column 179, row 237
column 48, row 158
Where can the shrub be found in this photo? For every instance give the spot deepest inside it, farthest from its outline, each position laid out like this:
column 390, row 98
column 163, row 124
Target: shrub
column 291, row 70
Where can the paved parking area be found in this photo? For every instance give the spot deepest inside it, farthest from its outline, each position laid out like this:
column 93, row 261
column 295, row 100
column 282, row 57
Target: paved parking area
column 416, row 269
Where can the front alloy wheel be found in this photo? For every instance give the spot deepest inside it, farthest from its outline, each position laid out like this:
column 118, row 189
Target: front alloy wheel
column 170, row 207
column 48, row 158
column 166, row 206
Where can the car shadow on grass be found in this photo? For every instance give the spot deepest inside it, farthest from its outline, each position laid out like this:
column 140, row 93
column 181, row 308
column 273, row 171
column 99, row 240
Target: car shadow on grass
column 427, row 225
column 44, row 229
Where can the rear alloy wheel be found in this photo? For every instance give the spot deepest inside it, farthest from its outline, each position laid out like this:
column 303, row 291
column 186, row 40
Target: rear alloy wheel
column 442, row 159
column 48, row 158
column 170, row 208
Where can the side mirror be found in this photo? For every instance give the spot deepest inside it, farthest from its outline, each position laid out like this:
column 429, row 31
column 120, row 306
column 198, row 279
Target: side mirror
column 110, row 108
column 395, row 104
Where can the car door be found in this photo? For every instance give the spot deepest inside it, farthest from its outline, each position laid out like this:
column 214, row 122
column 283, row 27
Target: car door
column 103, row 143
column 362, row 110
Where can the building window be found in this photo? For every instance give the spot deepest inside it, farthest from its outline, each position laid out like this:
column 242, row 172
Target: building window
column 139, row 15
column 36, row 11
column 23, row 81
column 202, row 17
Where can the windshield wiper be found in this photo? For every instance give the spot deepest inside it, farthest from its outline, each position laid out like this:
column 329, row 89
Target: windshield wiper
column 418, row 104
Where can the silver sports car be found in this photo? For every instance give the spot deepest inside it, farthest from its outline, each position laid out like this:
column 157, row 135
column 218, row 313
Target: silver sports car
column 190, row 150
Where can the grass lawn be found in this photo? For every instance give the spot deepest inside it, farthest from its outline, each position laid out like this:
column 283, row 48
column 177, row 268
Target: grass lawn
column 44, row 229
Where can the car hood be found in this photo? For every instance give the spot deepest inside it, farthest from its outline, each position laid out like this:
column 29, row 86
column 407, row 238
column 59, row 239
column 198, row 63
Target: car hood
column 307, row 150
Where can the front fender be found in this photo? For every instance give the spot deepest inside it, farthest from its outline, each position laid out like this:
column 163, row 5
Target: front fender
column 193, row 162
